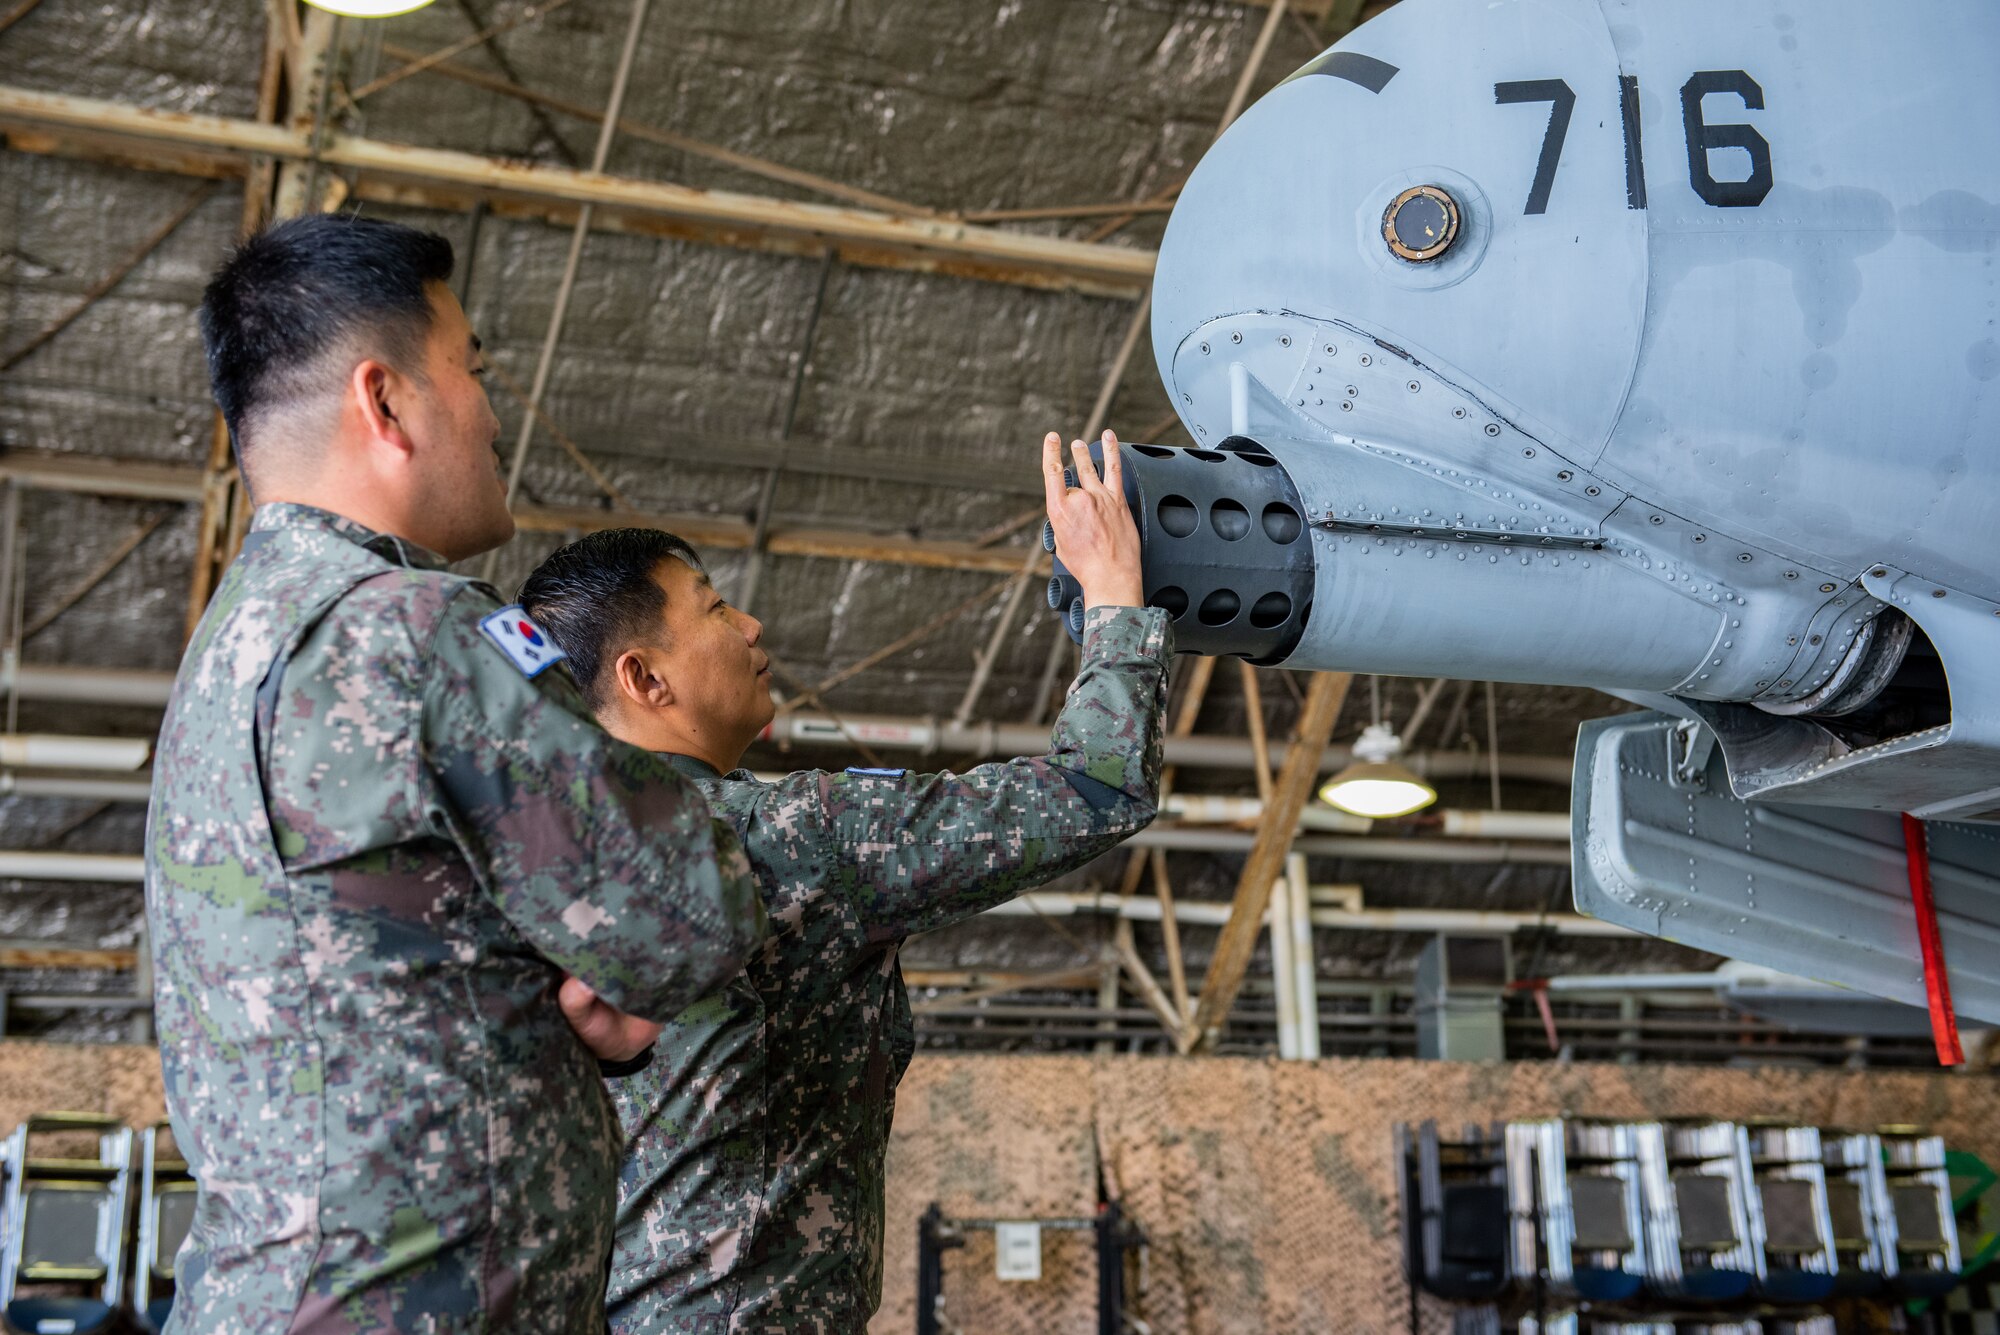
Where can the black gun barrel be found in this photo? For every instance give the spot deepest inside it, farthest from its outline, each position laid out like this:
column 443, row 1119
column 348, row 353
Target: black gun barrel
column 1225, row 548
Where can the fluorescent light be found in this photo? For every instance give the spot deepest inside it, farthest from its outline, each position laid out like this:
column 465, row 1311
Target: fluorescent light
column 1375, row 785
column 368, row 9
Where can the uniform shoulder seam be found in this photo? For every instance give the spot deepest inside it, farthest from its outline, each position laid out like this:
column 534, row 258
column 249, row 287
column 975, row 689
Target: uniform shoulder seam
column 428, row 648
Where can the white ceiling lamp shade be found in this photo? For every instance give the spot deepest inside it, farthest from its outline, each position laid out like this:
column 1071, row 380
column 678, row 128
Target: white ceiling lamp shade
column 368, row 9
column 1375, row 785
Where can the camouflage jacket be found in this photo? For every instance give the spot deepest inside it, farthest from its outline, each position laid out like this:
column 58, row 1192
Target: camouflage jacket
column 375, row 845
column 751, row 1194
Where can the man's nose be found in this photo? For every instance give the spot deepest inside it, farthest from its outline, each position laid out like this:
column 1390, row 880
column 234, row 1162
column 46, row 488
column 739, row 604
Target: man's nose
column 753, row 629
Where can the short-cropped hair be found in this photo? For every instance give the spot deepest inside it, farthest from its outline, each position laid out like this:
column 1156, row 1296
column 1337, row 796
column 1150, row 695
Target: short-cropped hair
column 296, row 293
column 596, row 595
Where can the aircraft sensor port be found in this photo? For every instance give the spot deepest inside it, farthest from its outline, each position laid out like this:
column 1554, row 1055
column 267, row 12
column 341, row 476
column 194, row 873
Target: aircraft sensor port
column 1421, row 223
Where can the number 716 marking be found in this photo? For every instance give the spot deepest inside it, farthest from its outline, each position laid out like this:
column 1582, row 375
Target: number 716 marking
column 1701, row 137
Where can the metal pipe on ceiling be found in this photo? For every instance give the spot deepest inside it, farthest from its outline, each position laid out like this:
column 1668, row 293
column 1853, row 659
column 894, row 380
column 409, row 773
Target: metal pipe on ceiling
column 66, row 683
column 1550, row 825
column 1368, row 848
column 80, row 787
column 41, row 866
column 32, row 865
column 51, row 751
column 929, row 735
column 1553, row 826
column 1200, row 913
column 34, row 782
column 1705, row 981
column 87, row 685
column 1474, row 921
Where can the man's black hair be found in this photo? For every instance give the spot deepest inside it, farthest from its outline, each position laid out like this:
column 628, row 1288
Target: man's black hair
column 595, row 594
column 297, row 291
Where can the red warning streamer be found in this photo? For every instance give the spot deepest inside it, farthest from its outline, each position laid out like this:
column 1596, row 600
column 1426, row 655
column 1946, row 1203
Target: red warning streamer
column 1937, row 986
column 1540, row 987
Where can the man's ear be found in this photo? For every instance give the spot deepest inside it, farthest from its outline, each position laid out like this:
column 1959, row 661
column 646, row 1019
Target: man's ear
column 640, row 681
column 375, row 392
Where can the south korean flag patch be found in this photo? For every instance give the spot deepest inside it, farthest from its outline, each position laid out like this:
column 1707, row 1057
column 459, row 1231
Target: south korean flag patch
column 527, row 646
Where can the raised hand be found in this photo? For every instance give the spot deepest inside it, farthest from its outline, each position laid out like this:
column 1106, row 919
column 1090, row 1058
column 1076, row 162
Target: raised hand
column 1095, row 536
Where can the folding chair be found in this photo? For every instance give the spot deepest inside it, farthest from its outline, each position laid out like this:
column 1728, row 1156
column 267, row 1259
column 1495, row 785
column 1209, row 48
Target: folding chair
column 166, row 1208
column 65, row 1226
column 1859, row 1211
column 1704, row 1227
column 1791, row 1195
column 1573, row 1197
column 1928, row 1263
column 1455, row 1223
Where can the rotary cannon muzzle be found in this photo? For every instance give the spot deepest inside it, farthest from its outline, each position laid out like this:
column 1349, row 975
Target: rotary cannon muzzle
column 1225, row 548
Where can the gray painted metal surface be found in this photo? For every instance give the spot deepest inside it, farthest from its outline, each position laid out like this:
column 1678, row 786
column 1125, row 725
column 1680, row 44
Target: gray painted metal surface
column 1813, row 891
column 1712, row 337
column 1654, row 350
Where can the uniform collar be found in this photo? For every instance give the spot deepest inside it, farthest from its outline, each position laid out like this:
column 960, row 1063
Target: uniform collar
column 282, row 515
column 694, row 767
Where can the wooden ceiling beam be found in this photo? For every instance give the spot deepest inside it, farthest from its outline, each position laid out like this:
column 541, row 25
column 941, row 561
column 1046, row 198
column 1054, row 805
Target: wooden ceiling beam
column 1261, row 868
column 446, row 178
column 154, row 481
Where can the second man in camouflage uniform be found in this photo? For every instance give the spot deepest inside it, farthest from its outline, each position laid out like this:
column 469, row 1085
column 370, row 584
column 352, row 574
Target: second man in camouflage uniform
column 752, row 1192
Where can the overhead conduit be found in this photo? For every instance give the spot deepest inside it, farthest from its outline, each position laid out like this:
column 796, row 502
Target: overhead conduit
column 39, row 765
column 889, row 732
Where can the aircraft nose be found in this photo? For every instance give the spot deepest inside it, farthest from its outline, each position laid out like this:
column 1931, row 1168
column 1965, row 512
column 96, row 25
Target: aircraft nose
column 1451, row 179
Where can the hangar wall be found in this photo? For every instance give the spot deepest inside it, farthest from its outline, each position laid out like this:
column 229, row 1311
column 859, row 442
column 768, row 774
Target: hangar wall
column 1266, row 1188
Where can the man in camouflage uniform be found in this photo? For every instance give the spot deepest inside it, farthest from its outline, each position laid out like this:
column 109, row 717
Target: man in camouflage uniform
column 382, row 831
column 752, row 1192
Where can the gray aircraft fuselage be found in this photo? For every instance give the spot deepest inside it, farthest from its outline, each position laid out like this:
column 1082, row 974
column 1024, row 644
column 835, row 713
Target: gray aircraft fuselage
column 1705, row 381
column 1642, row 346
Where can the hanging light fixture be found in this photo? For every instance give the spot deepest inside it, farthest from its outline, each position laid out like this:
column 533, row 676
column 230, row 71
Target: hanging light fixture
column 368, row 9
column 1375, row 785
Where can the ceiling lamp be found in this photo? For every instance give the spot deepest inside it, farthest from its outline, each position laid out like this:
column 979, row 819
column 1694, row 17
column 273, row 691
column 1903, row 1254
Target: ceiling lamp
column 368, row 9
column 1375, row 785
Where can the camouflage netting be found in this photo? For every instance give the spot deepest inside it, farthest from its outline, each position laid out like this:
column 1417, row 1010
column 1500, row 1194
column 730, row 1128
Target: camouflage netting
column 1266, row 1189
column 119, row 1079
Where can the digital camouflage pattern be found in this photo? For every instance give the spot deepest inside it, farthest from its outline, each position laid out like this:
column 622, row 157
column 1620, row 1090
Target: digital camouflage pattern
column 751, row 1194
column 374, row 848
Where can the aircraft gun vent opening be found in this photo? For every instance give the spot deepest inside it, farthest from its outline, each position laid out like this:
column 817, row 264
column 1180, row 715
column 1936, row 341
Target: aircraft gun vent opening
column 1890, row 685
column 1906, row 692
column 1226, row 553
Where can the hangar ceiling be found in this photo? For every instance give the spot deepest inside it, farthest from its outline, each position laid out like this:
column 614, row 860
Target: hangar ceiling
column 846, row 261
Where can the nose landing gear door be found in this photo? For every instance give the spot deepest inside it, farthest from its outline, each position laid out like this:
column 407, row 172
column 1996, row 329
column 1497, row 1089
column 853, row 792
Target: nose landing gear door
column 1662, row 846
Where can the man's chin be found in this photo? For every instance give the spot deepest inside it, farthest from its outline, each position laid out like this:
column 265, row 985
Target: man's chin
column 500, row 532
column 496, row 534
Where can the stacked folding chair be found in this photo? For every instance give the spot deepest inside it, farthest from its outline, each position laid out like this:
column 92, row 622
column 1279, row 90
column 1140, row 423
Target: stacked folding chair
column 166, row 1208
column 65, row 1222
